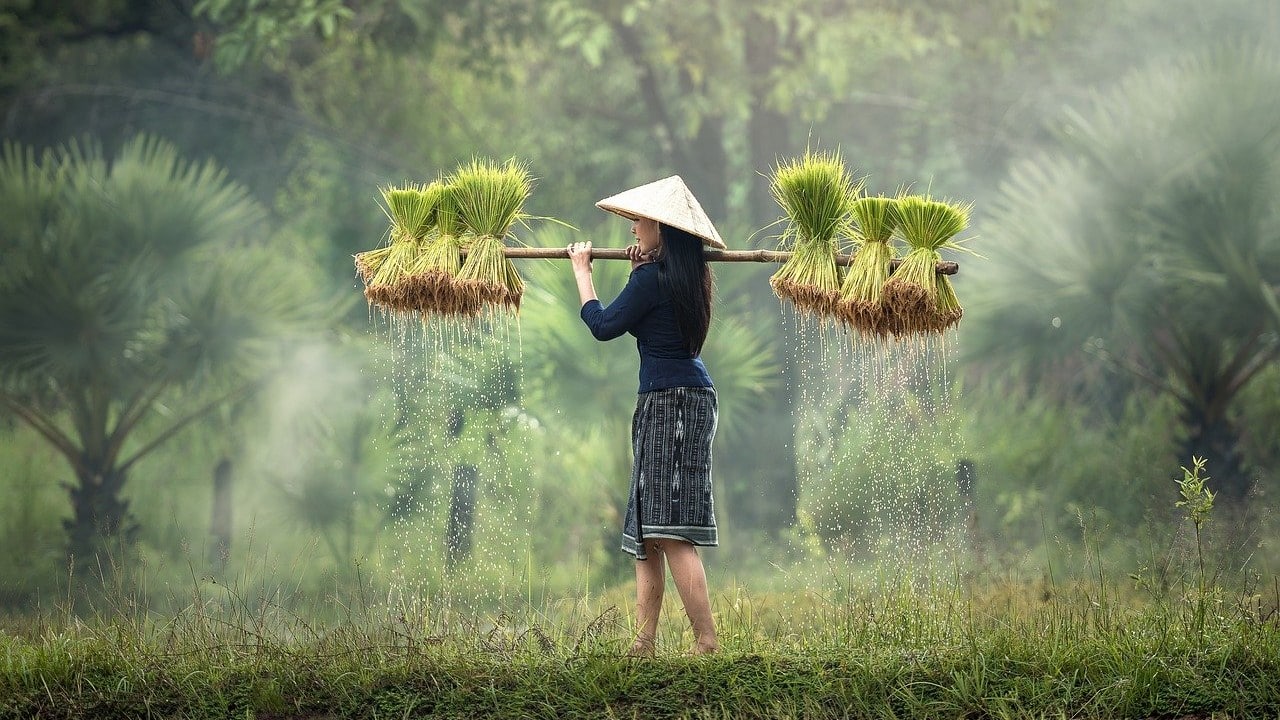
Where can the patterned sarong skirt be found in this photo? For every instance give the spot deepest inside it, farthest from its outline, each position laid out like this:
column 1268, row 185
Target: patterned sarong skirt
column 670, row 496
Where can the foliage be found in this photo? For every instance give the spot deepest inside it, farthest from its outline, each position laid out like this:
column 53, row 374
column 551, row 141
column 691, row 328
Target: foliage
column 27, row 532
column 1038, row 463
column 258, row 31
column 1147, row 241
column 1196, row 496
column 993, row 649
column 1197, row 500
column 321, row 463
column 123, row 315
column 878, row 453
column 1258, row 410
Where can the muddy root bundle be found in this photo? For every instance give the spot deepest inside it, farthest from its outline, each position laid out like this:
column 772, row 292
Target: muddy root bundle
column 817, row 194
column 919, row 299
column 861, row 305
column 490, row 200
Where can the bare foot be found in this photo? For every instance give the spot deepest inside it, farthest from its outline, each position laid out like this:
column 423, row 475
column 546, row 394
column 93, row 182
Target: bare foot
column 642, row 648
column 705, row 648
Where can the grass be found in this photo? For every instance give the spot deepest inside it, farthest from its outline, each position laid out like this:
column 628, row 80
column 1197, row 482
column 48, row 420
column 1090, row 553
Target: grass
column 840, row 643
column 949, row 649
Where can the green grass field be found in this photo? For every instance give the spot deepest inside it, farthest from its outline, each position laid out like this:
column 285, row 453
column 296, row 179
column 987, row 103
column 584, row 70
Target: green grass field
column 953, row 649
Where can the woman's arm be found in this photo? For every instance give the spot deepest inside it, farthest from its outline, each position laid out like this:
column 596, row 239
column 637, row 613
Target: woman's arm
column 631, row 305
column 580, row 255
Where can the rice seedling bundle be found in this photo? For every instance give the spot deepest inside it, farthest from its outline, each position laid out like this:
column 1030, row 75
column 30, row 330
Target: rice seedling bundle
column 817, row 195
column 432, row 276
column 368, row 262
column 861, row 305
column 400, row 207
column 921, row 300
column 490, row 199
column 409, row 208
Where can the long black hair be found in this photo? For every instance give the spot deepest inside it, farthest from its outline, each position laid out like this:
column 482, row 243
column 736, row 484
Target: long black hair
column 685, row 277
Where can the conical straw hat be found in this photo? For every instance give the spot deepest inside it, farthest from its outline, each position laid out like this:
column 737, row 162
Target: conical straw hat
column 668, row 201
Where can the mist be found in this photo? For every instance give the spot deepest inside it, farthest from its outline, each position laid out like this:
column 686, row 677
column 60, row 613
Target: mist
column 478, row 463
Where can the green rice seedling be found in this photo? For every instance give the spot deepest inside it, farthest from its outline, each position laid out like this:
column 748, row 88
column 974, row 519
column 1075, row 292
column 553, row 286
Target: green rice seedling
column 432, row 276
column 861, row 306
column 409, row 208
column 488, row 278
column 368, row 262
column 920, row 300
column 817, row 195
column 810, row 279
column 385, row 287
column 490, row 199
column 399, row 207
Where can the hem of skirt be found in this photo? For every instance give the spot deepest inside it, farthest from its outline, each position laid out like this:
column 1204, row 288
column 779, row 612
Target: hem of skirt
column 696, row 536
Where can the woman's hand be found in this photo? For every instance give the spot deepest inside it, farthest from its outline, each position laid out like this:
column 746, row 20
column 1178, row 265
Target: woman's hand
column 580, row 256
column 637, row 257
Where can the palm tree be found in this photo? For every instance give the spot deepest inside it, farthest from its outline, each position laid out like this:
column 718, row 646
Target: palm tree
column 1149, row 244
column 134, row 300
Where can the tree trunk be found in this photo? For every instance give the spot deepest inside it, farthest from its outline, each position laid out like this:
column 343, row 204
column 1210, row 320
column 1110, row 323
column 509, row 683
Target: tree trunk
column 100, row 522
column 462, row 508
column 462, row 499
column 707, row 171
column 768, row 131
column 1215, row 438
column 220, row 518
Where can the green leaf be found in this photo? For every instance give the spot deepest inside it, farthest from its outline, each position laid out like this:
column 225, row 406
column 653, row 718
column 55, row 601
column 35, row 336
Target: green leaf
column 1273, row 304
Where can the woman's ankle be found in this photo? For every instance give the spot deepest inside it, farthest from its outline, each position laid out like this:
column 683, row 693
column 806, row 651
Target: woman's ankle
column 706, row 643
column 643, row 646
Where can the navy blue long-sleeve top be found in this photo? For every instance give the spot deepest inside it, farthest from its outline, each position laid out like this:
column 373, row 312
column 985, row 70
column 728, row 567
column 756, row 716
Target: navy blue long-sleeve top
column 646, row 312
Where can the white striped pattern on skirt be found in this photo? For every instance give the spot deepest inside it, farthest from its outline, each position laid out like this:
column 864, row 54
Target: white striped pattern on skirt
column 670, row 495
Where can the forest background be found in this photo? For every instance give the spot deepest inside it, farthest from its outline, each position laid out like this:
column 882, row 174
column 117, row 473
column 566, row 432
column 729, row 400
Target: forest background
column 191, row 383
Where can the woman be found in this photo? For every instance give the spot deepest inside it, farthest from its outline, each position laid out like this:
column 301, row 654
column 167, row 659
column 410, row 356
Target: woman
column 666, row 305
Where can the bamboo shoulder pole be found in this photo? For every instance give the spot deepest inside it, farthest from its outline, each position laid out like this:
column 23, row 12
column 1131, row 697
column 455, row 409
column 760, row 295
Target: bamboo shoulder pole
column 757, row 256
